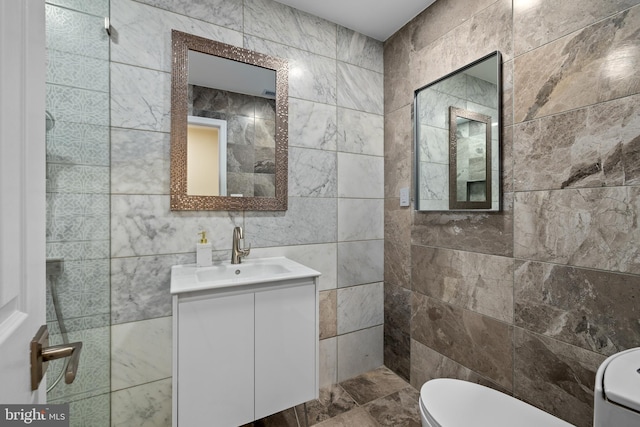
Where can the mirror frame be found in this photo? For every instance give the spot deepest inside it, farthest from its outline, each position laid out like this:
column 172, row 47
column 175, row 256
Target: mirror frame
column 180, row 200
column 498, row 133
column 454, row 203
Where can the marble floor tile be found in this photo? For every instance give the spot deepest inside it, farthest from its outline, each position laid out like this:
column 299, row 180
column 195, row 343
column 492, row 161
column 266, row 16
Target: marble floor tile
column 358, row 417
column 398, row 409
column 374, row 384
column 333, row 401
column 374, row 399
column 285, row 418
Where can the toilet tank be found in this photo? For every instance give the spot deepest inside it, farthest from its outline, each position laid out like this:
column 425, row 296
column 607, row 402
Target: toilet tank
column 617, row 391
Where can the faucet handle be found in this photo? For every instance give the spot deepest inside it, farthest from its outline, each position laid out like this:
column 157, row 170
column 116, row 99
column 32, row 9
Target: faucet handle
column 246, row 251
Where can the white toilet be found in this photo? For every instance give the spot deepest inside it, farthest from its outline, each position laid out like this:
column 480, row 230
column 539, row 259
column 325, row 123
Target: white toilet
column 446, row 402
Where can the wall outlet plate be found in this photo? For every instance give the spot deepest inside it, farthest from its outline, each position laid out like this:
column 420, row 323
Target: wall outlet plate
column 404, row 196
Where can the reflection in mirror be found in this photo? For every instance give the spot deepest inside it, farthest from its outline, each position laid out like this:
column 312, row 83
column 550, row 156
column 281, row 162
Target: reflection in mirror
column 457, row 139
column 228, row 127
column 206, row 156
column 469, row 152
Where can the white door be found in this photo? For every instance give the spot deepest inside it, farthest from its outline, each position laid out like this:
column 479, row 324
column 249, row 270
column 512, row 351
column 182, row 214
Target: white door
column 22, row 193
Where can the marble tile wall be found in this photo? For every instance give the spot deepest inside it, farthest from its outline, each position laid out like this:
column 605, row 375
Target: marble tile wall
column 335, row 218
column 529, row 300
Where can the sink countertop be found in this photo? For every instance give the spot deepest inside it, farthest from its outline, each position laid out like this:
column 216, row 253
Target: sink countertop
column 190, row 278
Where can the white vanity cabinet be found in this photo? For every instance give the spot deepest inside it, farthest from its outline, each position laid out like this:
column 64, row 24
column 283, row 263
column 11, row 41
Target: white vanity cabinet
column 244, row 352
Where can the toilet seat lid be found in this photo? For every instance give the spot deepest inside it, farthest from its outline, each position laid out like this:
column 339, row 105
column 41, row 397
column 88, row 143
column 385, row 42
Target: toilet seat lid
column 456, row 403
column 622, row 380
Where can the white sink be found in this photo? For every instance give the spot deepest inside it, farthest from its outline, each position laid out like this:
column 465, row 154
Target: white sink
column 189, row 278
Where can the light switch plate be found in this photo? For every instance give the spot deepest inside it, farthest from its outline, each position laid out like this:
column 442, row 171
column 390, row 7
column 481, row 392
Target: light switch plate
column 404, row 196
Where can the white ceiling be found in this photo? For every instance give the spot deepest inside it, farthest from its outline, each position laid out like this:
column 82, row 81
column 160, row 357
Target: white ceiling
column 378, row 19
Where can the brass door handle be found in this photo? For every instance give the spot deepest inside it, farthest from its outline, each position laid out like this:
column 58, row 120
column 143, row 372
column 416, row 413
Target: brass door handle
column 41, row 353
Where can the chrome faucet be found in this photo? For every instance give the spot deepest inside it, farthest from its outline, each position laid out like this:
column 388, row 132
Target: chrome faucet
column 236, row 253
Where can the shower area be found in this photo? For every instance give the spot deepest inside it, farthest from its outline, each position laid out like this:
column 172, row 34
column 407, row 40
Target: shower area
column 78, row 160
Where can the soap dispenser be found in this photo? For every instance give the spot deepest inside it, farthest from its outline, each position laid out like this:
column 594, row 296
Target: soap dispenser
column 203, row 251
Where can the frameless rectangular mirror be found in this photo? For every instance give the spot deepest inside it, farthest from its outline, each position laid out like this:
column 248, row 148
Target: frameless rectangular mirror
column 457, row 139
column 229, row 131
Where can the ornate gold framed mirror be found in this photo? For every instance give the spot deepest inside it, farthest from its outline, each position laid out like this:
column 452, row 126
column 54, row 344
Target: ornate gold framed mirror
column 229, row 127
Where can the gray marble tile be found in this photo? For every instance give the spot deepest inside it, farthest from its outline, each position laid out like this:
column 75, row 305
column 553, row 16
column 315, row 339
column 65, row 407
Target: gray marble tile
column 139, row 162
column 308, row 220
column 439, row 18
column 478, row 342
column 360, row 219
column 538, row 23
column 78, row 143
column 311, row 77
column 77, row 217
column 93, row 369
column 397, row 351
column 360, row 176
column 397, row 308
column 70, row 104
column 397, row 243
column 226, row 13
column 140, row 352
column 144, row 225
column 72, row 251
column 590, row 147
column 398, row 149
column 594, row 228
column 372, row 385
column 143, row 33
column 433, row 144
column 463, row 43
column 328, row 362
column 312, row 173
column 321, row 257
column 283, row 24
column 489, row 233
column 360, row 352
column 427, row 364
column 398, row 87
column 432, row 181
column 597, row 57
column 327, row 303
column 69, row 69
column 140, row 286
column 575, row 305
column 83, row 288
column 140, row 98
column 360, row 262
column 94, row 411
column 355, row 417
column 312, row 125
column 332, row 402
column 360, row 132
column 558, row 377
column 69, row 178
column 99, row 8
column 360, row 307
column 147, row 405
column 477, row 282
column 360, row 89
column 358, row 49
column 76, row 32
column 401, row 408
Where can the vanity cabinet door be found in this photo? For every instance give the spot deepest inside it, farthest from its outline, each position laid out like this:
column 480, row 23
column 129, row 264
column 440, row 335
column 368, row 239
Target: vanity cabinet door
column 286, row 348
column 215, row 360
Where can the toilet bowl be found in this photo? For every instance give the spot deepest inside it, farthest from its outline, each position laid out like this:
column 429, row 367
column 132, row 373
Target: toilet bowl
column 447, row 402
